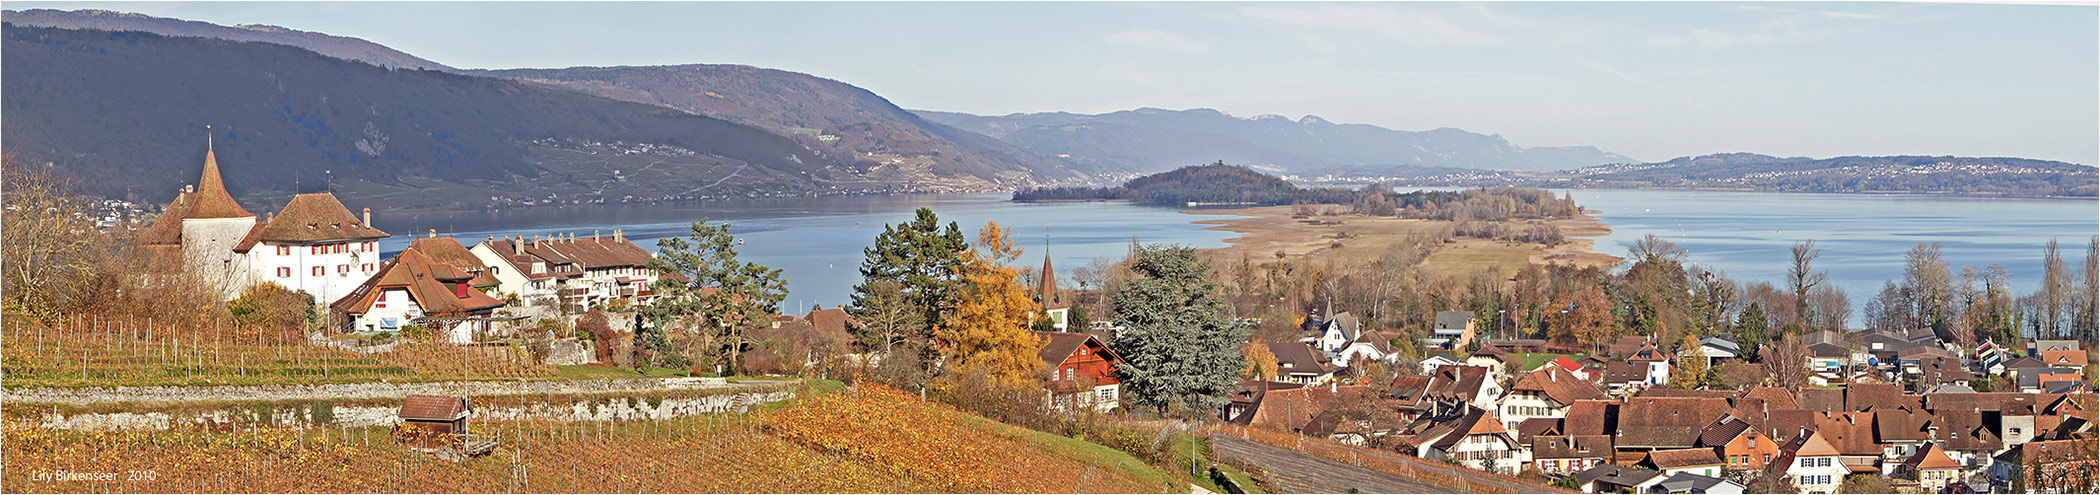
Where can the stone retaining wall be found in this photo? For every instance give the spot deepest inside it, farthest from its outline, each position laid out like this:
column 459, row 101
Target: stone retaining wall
column 370, row 390
column 608, row 409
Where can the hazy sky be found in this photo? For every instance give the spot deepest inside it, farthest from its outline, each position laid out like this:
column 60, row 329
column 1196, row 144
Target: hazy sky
column 1649, row 80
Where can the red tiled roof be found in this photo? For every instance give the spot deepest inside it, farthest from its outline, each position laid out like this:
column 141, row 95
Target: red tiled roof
column 1822, row 399
column 1571, row 446
column 315, row 217
column 433, row 285
column 1775, row 398
column 1592, row 417
column 448, row 251
column 1558, row 384
column 1931, row 457
column 211, row 199
column 1667, row 421
column 833, row 321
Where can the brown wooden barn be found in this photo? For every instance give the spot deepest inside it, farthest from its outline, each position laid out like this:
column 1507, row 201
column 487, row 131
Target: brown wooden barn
column 439, row 423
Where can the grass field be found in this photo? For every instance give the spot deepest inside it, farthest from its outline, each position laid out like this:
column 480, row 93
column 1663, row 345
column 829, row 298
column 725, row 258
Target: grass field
column 861, row 441
column 1532, row 361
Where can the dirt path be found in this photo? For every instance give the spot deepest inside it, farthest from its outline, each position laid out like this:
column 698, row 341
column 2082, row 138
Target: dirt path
column 1293, row 472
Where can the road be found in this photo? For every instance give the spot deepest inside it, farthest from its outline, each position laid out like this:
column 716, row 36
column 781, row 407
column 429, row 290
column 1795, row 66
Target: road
column 1293, row 472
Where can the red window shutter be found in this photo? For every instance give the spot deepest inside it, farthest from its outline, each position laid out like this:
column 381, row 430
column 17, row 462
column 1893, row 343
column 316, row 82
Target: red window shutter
column 319, row 271
column 342, row 268
column 462, row 289
column 284, row 272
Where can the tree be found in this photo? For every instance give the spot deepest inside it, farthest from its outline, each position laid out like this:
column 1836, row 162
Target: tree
column 887, row 316
column 707, row 290
column 2088, row 321
column 1261, row 364
column 1864, row 483
column 924, row 259
column 1181, row 352
column 988, row 331
column 1691, row 365
column 2054, row 295
column 1752, row 329
column 1740, row 375
column 1929, row 282
column 1763, row 482
column 1788, row 362
column 1803, row 278
column 49, row 242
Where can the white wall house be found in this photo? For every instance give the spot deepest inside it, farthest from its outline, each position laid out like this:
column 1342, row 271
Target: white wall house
column 1811, row 463
column 314, row 246
column 1544, row 393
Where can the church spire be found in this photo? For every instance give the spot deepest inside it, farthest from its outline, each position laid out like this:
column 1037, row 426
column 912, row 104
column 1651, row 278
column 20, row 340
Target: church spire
column 212, row 200
column 1046, row 284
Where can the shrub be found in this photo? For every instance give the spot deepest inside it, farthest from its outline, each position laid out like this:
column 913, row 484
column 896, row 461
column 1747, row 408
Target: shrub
column 599, row 328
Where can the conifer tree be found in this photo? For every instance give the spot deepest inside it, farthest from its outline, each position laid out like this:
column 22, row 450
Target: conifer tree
column 1182, row 354
column 923, row 259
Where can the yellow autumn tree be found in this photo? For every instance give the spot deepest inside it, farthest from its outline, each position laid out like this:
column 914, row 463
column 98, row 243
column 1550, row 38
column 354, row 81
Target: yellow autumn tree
column 988, row 332
column 1261, row 364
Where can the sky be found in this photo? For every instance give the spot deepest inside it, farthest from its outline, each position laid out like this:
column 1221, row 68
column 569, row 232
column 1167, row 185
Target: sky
column 1648, row 80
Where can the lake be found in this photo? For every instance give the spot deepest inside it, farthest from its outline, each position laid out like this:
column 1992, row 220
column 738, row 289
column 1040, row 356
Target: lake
column 1863, row 237
column 817, row 242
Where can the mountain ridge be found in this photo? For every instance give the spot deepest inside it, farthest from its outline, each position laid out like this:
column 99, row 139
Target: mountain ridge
column 1306, row 144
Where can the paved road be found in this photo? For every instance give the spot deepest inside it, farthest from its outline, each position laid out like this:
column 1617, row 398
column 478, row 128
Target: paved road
column 1294, row 472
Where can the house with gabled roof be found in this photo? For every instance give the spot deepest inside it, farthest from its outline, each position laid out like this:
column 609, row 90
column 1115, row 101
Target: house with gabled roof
column 1455, row 386
column 1081, row 369
column 1451, row 330
column 1337, row 332
column 412, row 289
column 1476, row 440
column 1544, row 393
column 314, row 245
column 1298, row 362
column 2053, row 466
column 1369, row 346
column 1811, row 463
column 1555, row 455
column 1930, row 467
column 1673, row 461
column 566, row 269
column 1574, row 368
column 1656, row 423
column 1438, row 360
column 1740, row 446
column 449, row 251
column 1692, row 483
column 1410, row 397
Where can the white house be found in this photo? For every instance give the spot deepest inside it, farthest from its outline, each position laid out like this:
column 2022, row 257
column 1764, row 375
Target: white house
column 1475, row 440
column 314, row 246
column 581, row 271
column 1438, row 360
column 411, row 289
column 1544, row 393
column 1811, row 463
column 1337, row 333
column 1370, row 346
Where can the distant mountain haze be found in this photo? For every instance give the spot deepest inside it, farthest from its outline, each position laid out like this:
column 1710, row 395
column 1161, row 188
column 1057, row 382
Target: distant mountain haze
column 837, row 119
column 1128, row 140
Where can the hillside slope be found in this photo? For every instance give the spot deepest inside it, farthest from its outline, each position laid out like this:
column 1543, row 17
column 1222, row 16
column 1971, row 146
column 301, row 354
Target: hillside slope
column 342, row 47
column 1128, row 140
column 846, row 123
column 1869, row 174
column 126, row 112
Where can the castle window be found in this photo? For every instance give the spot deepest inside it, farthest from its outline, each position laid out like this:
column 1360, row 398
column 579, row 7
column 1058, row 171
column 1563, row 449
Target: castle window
column 344, row 269
column 368, row 267
column 284, row 271
column 284, row 250
column 319, row 271
column 317, row 249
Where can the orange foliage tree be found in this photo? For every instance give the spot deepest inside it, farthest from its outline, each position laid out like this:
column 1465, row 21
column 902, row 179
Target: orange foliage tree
column 988, row 330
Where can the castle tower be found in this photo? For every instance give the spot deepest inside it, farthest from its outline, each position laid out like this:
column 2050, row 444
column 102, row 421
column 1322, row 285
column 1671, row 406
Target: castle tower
column 212, row 225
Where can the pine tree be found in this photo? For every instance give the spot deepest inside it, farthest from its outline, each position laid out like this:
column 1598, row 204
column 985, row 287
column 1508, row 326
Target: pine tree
column 1753, row 329
column 1181, row 352
column 717, row 291
column 922, row 257
column 988, row 332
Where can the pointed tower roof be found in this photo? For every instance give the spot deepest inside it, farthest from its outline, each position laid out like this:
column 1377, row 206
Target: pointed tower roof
column 211, row 199
column 1046, row 284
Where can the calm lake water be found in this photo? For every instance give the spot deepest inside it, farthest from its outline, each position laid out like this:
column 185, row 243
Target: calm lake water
column 817, row 242
column 1863, row 238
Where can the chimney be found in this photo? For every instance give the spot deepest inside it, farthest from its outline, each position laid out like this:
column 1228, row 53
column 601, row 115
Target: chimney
column 433, row 233
column 594, row 234
column 517, row 245
column 368, row 217
column 618, row 236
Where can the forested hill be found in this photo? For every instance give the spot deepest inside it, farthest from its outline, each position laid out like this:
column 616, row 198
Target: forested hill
column 1869, row 174
column 334, row 46
column 886, row 143
column 125, row 112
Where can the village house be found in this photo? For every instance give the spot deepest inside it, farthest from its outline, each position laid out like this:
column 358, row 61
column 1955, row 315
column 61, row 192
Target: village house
column 2054, row 466
column 1409, row 396
column 411, row 289
column 1573, row 368
column 1249, row 395
column 1438, row 360
column 1930, row 468
column 1298, row 362
column 1544, row 393
column 1674, row 461
column 1494, row 359
column 1337, row 332
column 1740, row 446
column 1719, row 350
column 1453, row 330
column 581, row 272
column 1810, row 463
column 1661, row 423
column 1454, row 387
column 1556, row 455
column 1081, row 372
column 1475, row 440
column 1369, row 347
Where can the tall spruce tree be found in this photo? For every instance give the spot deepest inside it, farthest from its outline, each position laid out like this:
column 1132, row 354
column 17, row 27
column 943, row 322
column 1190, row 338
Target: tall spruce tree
column 1182, row 354
column 924, row 260
column 714, row 293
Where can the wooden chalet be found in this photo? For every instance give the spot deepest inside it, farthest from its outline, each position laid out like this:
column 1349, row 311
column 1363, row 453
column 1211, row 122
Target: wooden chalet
column 438, row 424
column 1082, row 372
